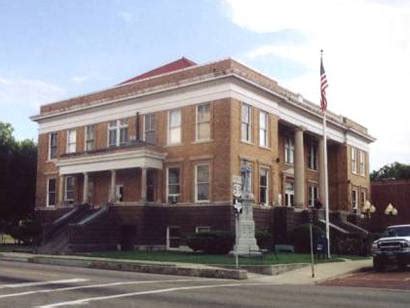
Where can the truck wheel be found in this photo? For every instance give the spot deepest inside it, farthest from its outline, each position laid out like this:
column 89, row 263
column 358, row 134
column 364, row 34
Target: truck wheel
column 378, row 264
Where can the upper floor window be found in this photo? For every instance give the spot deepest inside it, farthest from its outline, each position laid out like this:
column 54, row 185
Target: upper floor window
column 118, row 133
column 52, row 146
column 354, row 160
column 263, row 129
column 51, row 192
column 71, row 140
column 246, row 127
column 263, row 186
column 203, row 122
column 149, row 128
column 289, row 150
column 312, row 156
column 313, row 195
column 174, row 126
column 90, row 137
column 202, row 183
column 362, row 164
column 173, row 184
column 69, row 189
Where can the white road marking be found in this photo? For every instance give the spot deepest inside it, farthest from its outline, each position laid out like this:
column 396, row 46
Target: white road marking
column 85, row 301
column 40, row 283
column 93, row 286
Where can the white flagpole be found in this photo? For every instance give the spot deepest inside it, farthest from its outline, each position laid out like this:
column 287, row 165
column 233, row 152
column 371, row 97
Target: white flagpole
column 326, row 183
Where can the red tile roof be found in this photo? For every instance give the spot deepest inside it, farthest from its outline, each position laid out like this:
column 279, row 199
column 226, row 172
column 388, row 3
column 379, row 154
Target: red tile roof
column 169, row 67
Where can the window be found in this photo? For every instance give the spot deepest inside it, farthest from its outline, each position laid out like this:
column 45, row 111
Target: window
column 354, row 199
column 263, row 129
column 246, row 127
column 362, row 198
column 289, row 194
column 173, row 185
column 90, row 137
column 362, row 168
column 312, row 156
column 263, row 187
column 202, row 183
column 289, row 150
column 313, row 195
column 51, row 192
column 71, row 141
column 248, row 164
column 52, row 152
column 69, row 189
column 174, row 127
column 118, row 133
column 201, row 229
column 149, row 128
column 203, row 122
column 119, row 193
column 354, row 160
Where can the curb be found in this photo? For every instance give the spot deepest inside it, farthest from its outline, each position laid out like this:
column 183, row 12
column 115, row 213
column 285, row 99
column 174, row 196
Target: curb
column 131, row 266
column 273, row 270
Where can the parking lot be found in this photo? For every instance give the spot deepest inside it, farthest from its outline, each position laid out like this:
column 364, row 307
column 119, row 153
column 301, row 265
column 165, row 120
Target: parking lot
column 390, row 279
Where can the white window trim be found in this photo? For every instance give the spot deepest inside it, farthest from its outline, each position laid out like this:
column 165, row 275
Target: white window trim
column 289, row 144
column 207, row 228
column 243, row 139
column 65, row 188
column 267, row 185
column 117, row 192
column 48, row 192
column 85, row 137
column 169, row 127
column 197, row 139
column 312, row 188
column 362, row 163
column 266, row 129
column 144, row 135
column 167, row 195
column 355, row 206
column 117, row 128
column 196, row 182
column 313, row 161
column 67, row 150
column 354, row 160
column 49, row 146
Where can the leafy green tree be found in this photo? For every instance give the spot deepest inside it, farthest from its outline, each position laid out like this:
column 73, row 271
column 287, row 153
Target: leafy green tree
column 395, row 171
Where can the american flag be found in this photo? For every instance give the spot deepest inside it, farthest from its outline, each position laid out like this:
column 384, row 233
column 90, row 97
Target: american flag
column 323, row 87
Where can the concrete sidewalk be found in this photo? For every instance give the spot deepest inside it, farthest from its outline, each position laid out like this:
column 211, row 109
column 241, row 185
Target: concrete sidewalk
column 323, row 271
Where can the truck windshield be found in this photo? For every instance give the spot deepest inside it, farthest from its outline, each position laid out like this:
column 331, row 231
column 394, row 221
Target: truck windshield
column 397, row 231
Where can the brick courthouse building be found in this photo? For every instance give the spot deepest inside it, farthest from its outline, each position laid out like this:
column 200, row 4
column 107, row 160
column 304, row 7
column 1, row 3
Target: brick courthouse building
column 160, row 149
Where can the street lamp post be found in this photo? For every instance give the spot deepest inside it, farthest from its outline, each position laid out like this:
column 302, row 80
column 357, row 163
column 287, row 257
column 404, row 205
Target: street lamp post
column 391, row 210
column 368, row 209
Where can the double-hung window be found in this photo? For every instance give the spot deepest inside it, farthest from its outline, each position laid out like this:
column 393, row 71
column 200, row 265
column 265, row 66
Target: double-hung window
column 173, row 184
column 312, row 156
column 246, row 126
column 149, row 128
column 51, row 192
column 174, row 126
column 313, row 195
column 90, row 137
column 202, row 183
column 69, row 189
column 203, row 122
column 52, row 146
column 263, row 186
column 362, row 168
column 118, row 133
column 289, row 194
column 71, row 140
column 354, row 160
column 263, row 129
column 289, row 150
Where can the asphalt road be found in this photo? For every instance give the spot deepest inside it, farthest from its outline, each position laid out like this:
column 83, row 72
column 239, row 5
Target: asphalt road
column 33, row 285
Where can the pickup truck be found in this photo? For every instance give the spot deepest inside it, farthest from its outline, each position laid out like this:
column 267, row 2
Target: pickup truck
column 392, row 248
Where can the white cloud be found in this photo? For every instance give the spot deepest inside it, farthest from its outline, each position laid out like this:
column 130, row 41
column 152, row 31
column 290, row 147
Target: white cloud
column 80, row 79
column 367, row 48
column 28, row 93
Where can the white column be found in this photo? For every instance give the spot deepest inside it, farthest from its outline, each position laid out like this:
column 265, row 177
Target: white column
column 299, row 168
column 322, row 178
column 85, row 188
column 143, row 184
column 113, row 196
column 61, row 190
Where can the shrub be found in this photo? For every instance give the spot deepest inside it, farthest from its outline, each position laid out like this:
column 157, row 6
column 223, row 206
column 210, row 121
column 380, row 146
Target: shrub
column 264, row 239
column 27, row 231
column 300, row 237
column 212, row 242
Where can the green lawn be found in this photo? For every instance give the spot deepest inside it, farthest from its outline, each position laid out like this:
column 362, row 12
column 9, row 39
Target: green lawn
column 190, row 257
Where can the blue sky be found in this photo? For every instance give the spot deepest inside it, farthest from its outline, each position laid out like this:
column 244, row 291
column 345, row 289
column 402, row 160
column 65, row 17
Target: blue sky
column 50, row 50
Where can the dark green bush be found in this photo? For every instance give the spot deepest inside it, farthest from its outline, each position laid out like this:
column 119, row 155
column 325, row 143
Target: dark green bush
column 264, row 239
column 300, row 238
column 212, row 242
column 27, row 231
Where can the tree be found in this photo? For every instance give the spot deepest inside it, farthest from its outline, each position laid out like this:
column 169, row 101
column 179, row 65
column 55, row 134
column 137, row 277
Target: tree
column 17, row 176
column 396, row 171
